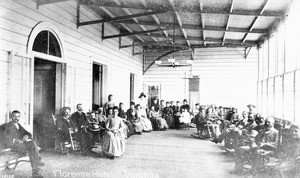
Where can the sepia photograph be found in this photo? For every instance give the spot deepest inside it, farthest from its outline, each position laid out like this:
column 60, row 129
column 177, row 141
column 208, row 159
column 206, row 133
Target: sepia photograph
column 149, row 89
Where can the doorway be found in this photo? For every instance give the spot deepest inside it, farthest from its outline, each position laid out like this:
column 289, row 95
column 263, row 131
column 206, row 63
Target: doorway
column 97, row 86
column 131, row 94
column 47, row 98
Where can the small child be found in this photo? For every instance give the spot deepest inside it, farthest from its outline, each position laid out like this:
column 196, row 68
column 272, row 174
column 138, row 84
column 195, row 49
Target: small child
column 185, row 117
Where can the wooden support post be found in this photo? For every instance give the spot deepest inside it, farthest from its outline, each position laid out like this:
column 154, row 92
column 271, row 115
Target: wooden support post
column 132, row 48
column 102, row 32
column 78, row 13
column 120, row 42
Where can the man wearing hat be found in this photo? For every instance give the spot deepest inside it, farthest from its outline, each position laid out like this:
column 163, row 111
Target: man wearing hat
column 64, row 125
column 251, row 108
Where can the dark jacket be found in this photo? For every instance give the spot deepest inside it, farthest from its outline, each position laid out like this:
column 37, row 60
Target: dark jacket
column 79, row 120
column 11, row 133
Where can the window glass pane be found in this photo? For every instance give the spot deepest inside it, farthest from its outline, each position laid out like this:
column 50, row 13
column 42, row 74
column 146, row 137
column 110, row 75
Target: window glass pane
column 264, row 98
column 54, row 48
column 289, row 96
column 45, row 42
column 270, row 97
column 259, row 95
column 297, row 97
column 265, row 61
column 280, row 50
column 272, row 55
column 260, row 63
column 278, row 97
column 41, row 42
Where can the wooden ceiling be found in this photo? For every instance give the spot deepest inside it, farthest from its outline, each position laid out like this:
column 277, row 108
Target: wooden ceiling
column 186, row 24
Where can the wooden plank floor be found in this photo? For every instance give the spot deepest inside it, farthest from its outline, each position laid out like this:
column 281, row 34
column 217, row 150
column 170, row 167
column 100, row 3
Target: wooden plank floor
column 171, row 153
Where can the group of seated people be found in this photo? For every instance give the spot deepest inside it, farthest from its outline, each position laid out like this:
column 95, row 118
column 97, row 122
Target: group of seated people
column 253, row 138
column 111, row 125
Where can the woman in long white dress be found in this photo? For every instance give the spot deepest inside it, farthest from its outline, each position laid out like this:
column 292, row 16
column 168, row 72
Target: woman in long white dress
column 146, row 123
column 143, row 104
column 114, row 140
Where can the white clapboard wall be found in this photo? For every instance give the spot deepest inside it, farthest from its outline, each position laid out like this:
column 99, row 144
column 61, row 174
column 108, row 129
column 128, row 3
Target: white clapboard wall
column 226, row 77
column 82, row 47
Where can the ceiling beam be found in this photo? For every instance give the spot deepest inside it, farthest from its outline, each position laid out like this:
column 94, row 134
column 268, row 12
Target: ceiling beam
column 44, row 2
column 179, row 22
column 119, row 18
column 255, row 19
column 227, row 23
column 217, row 40
column 202, row 21
column 135, row 19
column 197, row 27
column 189, row 9
column 127, row 28
column 154, row 17
column 136, row 33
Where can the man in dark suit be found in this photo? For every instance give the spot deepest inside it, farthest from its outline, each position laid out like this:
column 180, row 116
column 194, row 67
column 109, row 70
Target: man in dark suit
column 81, row 123
column 20, row 141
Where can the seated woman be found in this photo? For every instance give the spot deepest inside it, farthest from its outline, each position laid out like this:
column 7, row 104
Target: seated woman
column 167, row 113
column 147, row 126
column 114, row 140
column 185, row 117
column 110, row 113
column 122, row 114
column 133, row 118
column 156, row 118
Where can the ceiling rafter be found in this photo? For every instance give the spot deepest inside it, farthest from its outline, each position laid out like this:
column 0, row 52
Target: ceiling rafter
column 168, row 42
column 202, row 21
column 238, row 12
column 255, row 19
column 154, row 17
column 135, row 19
column 179, row 22
column 228, row 19
column 127, row 28
column 44, row 2
column 137, row 33
column 118, row 18
column 198, row 27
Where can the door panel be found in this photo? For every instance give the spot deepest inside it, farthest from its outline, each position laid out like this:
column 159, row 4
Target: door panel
column 21, row 88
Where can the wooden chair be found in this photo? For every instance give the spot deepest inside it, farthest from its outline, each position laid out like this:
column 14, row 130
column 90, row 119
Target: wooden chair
column 62, row 145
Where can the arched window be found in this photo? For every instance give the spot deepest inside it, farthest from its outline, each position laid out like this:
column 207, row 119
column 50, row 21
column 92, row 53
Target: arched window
column 45, row 42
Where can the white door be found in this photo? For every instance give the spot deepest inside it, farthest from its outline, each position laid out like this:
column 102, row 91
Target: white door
column 21, row 88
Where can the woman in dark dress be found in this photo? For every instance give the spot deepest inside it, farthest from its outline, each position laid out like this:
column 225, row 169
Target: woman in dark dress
column 123, row 115
column 133, row 118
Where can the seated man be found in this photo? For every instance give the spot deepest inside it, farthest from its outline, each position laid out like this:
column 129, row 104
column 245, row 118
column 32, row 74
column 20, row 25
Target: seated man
column 81, row 123
column 64, row 125
column 20, row 141
column 265, row 143
column 235, row 136
column 289, row 165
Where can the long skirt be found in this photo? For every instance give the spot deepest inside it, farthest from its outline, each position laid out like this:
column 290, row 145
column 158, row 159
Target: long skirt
column 147, row 126
column 114, row 143
column 130, row 128
column 138, row 127
column 154, row 123
column 170, row 121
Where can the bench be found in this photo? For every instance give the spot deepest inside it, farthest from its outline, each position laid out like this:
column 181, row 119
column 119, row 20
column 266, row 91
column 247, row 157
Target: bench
column 8, row 158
